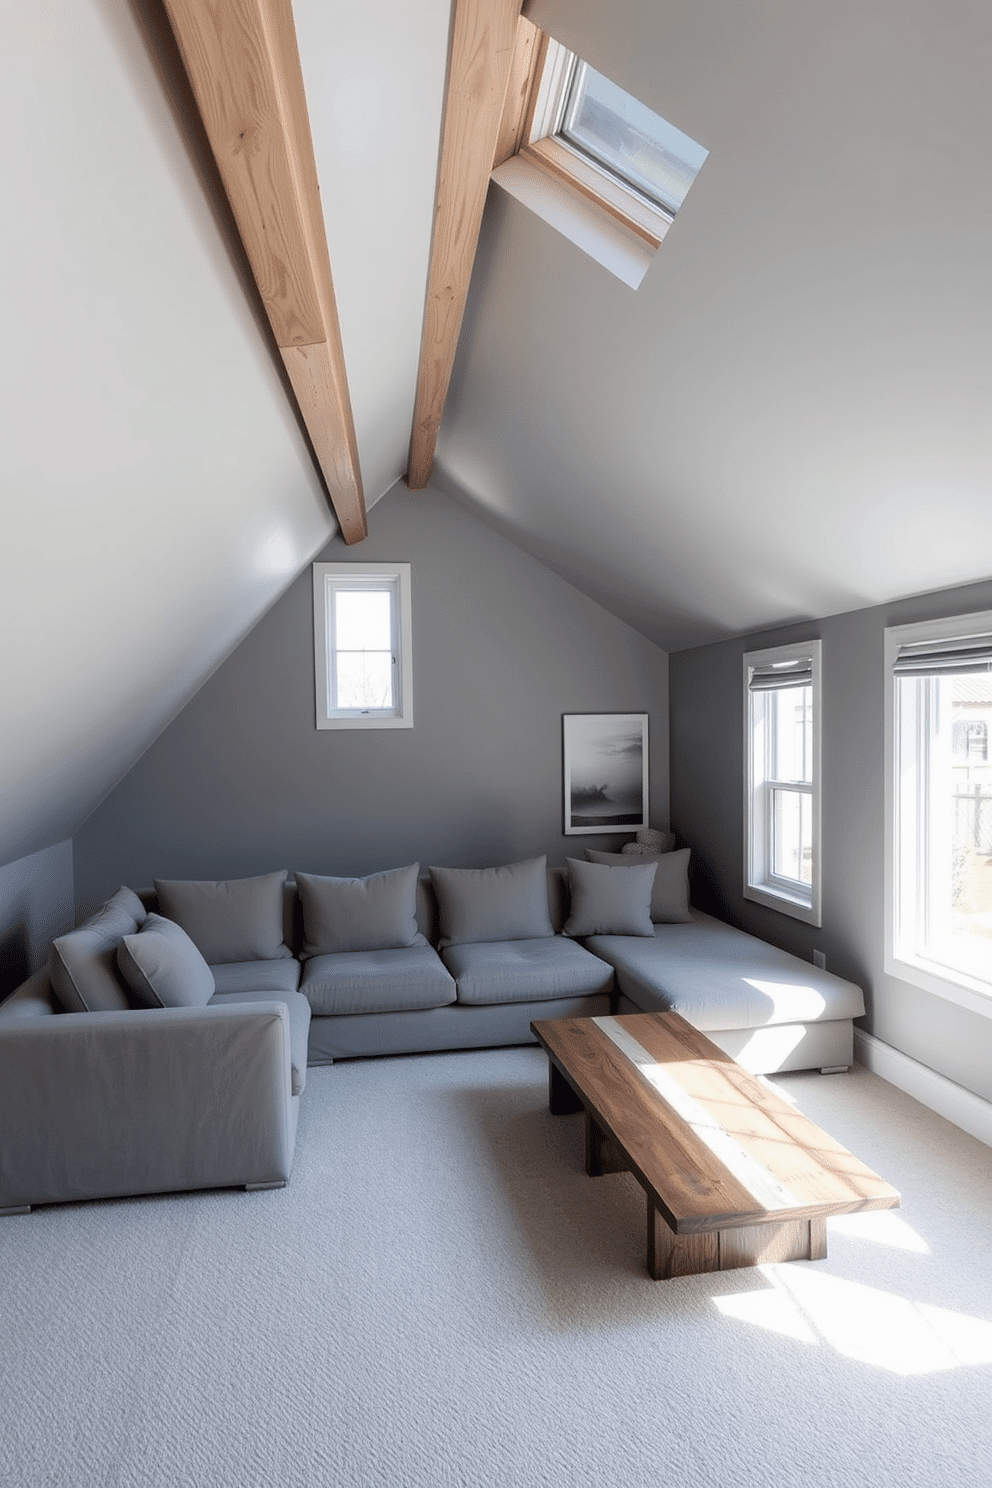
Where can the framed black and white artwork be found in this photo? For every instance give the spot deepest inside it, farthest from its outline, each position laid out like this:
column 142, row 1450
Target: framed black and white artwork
column 605, row 771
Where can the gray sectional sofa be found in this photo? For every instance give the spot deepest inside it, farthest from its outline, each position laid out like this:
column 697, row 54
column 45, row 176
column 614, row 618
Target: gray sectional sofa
column 166, row 1047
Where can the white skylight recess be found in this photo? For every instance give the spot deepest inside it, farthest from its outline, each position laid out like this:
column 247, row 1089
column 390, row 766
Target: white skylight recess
column 598, row 165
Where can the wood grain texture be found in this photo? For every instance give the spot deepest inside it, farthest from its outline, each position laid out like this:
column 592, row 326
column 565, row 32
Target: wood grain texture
column 243, row 64
column 482, row 43
column 693, row 1189
column 529, row 50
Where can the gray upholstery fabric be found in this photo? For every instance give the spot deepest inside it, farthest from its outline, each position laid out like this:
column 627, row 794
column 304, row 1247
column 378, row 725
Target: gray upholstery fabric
column 240, row 919
column 525, row 970
column 32, row 999
column 127, row 900
column 163, row 968
column 257, row 976
column 608, row 900
column 670, row 890
column 83, row 964
column 719, row 977
column 458, row 1026
column 493, row 904
column 377, row 913
column 299, row 1024
column 101, row 1104
column 377, row 981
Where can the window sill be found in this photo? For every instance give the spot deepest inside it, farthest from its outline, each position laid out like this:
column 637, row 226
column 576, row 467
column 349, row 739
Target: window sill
column 365, row 721
column 590, row 227
column 965, row 991
column 789, row 904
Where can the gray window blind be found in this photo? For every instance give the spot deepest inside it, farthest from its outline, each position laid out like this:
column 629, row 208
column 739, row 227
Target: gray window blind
column 951, row 657
column 773, row 678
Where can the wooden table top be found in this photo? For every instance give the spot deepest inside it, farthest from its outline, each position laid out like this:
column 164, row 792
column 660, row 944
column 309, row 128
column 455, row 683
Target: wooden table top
column 714, row 1145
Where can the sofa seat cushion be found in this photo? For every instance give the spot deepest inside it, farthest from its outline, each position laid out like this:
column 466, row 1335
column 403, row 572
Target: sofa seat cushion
column 257, row 976
column 719, row 977
column 299, row 1024
column 525, row 970
column 377, row 981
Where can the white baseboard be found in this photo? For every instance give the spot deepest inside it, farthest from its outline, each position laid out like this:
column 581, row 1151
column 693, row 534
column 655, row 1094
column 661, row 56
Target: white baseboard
column 967, row 1110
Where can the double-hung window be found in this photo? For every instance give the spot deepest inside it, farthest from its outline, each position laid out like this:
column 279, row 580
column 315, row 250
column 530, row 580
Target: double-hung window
column 939, row 807
column 362, row 646
column 782, row 785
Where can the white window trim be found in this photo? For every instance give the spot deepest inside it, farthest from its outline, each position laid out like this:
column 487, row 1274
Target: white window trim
column 956, row 987
column 400, row 574
column 778, row 896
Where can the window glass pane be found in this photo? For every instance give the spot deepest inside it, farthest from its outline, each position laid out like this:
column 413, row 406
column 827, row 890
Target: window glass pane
column 632, row 140
column 363, row 620
column 946, row 825
column 792, row 835
column 365, row 679
column 792, row 713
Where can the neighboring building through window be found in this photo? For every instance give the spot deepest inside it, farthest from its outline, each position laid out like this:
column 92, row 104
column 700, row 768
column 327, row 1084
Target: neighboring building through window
column 782, row 794
column 362, row 645
column 939, row 807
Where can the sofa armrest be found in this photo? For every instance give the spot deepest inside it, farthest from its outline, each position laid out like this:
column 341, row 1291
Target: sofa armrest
column 94, row 1105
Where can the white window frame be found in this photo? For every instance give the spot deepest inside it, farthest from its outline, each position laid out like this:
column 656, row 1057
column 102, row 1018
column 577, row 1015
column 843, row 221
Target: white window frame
column 328, row 578
column 901, row 960
column 760, row 884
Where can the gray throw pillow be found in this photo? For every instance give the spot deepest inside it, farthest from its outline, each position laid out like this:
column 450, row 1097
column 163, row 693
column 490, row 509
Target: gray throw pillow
column 670, row 893
column 237, row 919
column 378, row 913
column 163, row 967
column 608, row 899
column 83, row 964
column 493, row 904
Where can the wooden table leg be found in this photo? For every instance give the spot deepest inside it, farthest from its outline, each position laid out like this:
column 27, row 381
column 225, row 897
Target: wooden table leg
column 562, row 1099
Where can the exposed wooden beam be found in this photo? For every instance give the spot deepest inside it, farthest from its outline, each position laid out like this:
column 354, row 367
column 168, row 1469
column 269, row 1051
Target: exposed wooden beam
column 482, row 47
column 244, row 67
column 529, row 51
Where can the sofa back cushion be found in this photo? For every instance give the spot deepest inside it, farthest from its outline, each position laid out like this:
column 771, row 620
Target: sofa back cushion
column 670, row 891
column 493, row 904
column 610, row 899
column 238, row 919
column 163, row 968
column 377, row 913
column 83, row 964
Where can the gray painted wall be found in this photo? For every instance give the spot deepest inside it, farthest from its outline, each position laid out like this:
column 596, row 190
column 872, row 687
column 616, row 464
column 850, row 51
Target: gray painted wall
column 242, row 781
column 35, row 906
column 707, row 811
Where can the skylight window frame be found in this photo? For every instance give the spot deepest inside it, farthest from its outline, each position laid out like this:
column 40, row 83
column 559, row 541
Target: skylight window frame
column 557, row 74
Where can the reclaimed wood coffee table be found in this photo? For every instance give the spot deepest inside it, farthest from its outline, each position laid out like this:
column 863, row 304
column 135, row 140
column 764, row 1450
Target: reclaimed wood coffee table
column 734, row 1175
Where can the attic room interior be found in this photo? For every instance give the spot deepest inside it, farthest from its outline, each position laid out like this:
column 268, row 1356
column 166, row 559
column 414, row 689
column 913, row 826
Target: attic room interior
column 308, row 304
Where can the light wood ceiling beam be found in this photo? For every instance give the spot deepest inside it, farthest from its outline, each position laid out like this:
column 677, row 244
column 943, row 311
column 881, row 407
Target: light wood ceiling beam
column 482, row 49
column 243, row 63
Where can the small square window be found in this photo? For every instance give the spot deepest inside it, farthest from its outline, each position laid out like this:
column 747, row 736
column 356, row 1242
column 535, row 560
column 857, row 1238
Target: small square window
column 362, row 646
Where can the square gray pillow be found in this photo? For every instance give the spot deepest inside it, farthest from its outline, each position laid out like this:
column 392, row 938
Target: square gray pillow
column 492, row 904
column 670, row 894
column 378, row 913
column 163, row 967
column 236, row 919
column 608, row 899
column 83, row 964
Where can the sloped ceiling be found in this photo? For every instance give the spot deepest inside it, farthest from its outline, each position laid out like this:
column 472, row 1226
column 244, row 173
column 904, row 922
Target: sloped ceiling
column 791, row 417
column 157, row 494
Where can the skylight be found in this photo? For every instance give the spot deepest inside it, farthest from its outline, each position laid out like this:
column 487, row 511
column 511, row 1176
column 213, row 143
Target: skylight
column 624, row 136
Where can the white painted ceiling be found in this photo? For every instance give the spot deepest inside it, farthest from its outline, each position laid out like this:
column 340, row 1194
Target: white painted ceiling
column 789, row 418
column 156, row 493
column 792, row 416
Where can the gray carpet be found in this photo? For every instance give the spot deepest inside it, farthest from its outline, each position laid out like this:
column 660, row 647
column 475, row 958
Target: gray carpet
column 443, row 1297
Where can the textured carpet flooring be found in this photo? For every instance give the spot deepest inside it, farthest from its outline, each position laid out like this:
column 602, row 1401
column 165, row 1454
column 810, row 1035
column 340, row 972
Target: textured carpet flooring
column 441, row 1296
